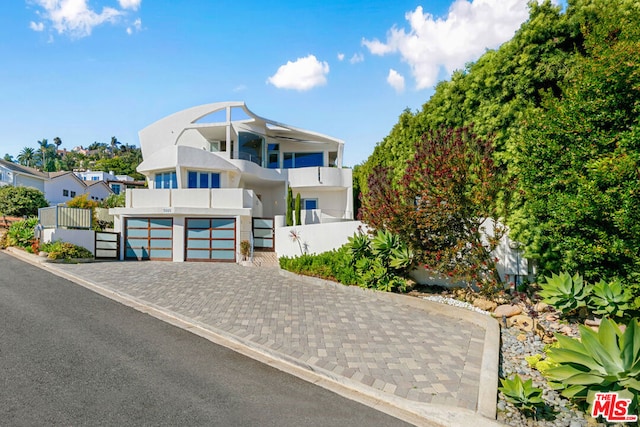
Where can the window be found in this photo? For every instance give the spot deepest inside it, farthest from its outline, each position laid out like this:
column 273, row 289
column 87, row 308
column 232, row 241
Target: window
column 308, row 204
column 203, row 179
column 302, row 160
column 216, row 146
column 94, row 178
column 166, row 180
column 116, row 188
column 73, row 194
column 273, row 156
column 65, row 193
column 250, row 147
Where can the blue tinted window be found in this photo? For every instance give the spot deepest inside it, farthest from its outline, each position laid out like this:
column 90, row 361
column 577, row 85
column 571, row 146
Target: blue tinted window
column 310, row 203
column 304, row 160
column 215, row 180
column 204, row 180
column 192, row 180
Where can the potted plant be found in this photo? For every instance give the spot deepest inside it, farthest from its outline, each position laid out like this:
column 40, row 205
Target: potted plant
column 245, row 249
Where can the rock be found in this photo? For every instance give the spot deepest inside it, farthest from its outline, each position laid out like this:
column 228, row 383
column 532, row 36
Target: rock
column 484, row 304
column 593, row 322
column 507, row 310
column 566, row 330
column 522, row 337
column 522, row 322
column 551, row 317
column 541, row 307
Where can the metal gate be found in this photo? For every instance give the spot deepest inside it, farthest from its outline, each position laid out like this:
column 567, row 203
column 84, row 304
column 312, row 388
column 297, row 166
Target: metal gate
column 107, row 245
column 263, row 234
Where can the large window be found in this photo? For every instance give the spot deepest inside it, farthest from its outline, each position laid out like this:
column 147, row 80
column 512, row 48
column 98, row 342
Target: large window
column 302, row 160
column 203, row 179
column 250, row 147
column 166, row 180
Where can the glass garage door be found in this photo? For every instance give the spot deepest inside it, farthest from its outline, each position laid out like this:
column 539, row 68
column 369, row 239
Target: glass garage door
column 210, row 239
column 149, row 239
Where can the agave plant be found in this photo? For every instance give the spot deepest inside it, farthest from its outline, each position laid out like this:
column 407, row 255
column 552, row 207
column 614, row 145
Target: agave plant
column 565, row 293
column 603, row 361
column 609, row 299
column 522, row 394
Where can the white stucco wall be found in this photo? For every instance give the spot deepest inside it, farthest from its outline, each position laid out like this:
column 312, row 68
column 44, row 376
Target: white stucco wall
column 84, row 238
column 27, row 181
column 316, row 238
column 54, row 189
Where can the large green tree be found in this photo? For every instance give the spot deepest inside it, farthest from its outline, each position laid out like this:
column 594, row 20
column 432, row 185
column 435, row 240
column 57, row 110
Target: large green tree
column 21, row 201
column 578, row 157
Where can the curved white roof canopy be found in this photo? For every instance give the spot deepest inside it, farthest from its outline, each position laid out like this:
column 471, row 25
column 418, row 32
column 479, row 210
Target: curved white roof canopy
column 166, row 132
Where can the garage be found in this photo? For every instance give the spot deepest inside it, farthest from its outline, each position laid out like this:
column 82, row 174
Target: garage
column 210, row 239
column 149, row 239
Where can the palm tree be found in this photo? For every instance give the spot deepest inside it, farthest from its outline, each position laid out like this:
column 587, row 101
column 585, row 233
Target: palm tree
column 8, row 157
column 114, row 144
column 44, row 146
column 58, row 142
column 27, row 156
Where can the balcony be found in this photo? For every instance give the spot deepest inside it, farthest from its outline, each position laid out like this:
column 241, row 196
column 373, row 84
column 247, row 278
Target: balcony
column 319, row 178
column 192, row 201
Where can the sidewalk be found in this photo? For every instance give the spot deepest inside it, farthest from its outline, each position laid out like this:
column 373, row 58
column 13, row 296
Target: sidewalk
column 423, row 362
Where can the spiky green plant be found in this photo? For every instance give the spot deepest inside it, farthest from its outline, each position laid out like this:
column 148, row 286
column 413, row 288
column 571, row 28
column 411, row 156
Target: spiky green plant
column 522, row 394
column 565, row 293
column 603, row 361
column 609, row 299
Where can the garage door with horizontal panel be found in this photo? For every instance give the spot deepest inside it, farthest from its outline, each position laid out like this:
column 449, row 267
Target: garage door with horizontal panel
column 210, row 239
column 149, row 239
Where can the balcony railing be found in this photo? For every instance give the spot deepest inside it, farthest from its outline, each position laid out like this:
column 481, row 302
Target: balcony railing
column 218, row 198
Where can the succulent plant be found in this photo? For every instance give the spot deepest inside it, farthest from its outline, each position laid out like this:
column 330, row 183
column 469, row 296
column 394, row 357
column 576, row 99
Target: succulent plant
column 603, row 361
column 522, row 394
column 609, row 299
column 565, row 293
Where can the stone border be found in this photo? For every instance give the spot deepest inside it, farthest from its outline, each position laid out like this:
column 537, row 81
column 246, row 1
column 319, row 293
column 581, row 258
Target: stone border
column 488, row 387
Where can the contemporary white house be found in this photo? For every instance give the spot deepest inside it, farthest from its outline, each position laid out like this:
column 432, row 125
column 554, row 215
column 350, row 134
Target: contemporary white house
column 21, row 176
column 219, row 174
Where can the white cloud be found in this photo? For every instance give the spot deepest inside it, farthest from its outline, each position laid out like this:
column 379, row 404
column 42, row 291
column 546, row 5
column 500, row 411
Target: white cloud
column 302, row 74
column 340, row 56
column 130, row 4
column 36, row 26
column 77, row 19
column 137, row 26
column 432, row 44
column 357, row 57
column 396, row 80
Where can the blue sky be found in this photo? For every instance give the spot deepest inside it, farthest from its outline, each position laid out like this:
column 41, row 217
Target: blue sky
column 87, row 70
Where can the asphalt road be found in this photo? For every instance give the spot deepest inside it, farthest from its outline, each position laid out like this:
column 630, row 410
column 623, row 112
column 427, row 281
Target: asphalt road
column 71, row 357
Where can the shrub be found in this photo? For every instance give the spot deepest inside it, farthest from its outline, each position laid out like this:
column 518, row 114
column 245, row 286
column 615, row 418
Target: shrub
column 245, row 249
column 21, row 233
column 65, row 250
column 380, row 262
column 609, row 299
column 333, row 265
column 565, row 293
column 603, row 361
column 522, row 394
column 21, row 201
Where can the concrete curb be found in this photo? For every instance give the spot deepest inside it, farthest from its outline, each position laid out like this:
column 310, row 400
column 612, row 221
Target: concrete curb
column 419, row 414
column 488, row 389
